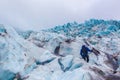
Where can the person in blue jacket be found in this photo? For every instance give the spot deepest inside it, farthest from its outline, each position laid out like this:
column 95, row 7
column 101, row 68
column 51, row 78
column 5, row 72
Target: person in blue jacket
column 84, row 53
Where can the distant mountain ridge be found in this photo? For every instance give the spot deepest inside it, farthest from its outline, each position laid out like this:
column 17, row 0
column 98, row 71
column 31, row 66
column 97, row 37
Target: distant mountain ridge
column 88, row 28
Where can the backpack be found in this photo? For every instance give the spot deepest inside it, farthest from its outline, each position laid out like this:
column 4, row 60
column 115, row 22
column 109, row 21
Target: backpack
column 84, row 51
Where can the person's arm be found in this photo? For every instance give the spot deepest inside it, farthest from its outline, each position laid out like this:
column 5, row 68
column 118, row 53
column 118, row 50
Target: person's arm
column 81, row 52
column 88, row 49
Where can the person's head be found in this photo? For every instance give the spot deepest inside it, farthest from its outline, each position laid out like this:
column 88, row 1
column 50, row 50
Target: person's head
column 83, row 45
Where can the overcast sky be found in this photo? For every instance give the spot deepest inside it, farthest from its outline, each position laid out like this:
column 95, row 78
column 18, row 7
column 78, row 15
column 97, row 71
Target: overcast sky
column 40, row 14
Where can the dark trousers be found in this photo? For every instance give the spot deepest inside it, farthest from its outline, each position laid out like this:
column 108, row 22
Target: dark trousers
column 86, row 58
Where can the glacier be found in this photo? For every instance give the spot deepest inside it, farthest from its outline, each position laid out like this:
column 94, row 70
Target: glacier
column 30, row 55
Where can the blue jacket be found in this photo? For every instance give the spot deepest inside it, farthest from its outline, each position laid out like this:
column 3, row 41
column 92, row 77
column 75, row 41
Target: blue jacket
column 84, row 50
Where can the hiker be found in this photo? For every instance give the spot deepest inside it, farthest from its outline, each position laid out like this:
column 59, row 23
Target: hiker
column 84, row 53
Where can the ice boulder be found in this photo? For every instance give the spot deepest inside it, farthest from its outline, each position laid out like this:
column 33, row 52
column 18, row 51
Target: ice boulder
column 46, row 57
column 2, row 29
column 77, row 63
column 40, row 73
column 118, row 63
column 6, row 74
column 16, row 51
column 66, row 62
column 78, row 74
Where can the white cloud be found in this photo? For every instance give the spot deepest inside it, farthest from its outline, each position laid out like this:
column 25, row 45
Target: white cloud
column 38, row 14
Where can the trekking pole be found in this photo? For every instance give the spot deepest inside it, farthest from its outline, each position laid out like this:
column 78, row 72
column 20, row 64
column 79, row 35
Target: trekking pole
column 93, row 49
column 103, row 52
column 96, row 51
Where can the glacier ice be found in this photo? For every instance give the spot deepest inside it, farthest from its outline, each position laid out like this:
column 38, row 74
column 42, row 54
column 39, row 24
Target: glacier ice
column 30, row 55
column 66, row 62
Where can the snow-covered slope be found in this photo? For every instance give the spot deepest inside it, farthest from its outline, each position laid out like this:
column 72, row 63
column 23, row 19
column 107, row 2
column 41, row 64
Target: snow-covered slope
column 32, row 55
